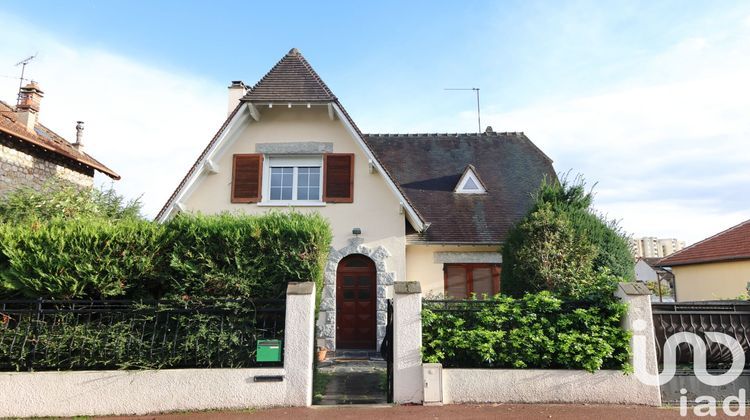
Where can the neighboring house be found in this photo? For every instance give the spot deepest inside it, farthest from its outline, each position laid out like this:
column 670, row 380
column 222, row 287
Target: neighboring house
column 651, row 247
column 431, row 208
column 715, row 268
column 647, row 271
column 32, row 154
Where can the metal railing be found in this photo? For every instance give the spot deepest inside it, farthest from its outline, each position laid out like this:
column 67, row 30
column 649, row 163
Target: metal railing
column 468, row 305
column 120, row 334
column 731, row 318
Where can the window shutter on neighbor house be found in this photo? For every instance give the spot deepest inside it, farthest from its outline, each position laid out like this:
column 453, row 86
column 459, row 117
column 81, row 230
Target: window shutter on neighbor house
column 246, row 178
column 338, row 186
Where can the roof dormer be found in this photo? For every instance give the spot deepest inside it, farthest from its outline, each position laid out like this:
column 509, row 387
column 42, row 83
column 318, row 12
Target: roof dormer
column 470, row 183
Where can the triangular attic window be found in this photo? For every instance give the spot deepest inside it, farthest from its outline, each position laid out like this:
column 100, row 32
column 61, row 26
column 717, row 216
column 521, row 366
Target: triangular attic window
column 470, row 183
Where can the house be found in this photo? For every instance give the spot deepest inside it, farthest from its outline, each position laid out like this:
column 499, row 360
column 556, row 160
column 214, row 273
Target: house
column 432, row 208
column 647, row 271
column 32, row 154
column 717, row 267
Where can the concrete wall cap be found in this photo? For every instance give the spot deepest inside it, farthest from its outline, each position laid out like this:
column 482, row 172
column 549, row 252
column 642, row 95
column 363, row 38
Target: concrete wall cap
column 300, row 288
column 407, row 287
column 634, row 289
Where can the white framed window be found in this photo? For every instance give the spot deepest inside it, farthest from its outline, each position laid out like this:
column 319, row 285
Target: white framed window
column 293, row 180
column 469, row 183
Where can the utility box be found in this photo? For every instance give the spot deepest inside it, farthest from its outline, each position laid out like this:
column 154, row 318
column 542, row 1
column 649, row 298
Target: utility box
column 432, row 378
column 268, row 351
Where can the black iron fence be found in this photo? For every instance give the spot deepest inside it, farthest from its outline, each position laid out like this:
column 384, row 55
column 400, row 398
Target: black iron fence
column 725, row 317
column 459, row 306
column 117, row 334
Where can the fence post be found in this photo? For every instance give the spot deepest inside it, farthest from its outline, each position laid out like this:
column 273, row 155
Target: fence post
column 299, row 340
column 640, row 322
column 35, row 333
column 407, row 342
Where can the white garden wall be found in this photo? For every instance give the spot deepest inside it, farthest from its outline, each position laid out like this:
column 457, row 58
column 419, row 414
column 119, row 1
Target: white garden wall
column 545, row 386
column 37, row 394
column 523, row 385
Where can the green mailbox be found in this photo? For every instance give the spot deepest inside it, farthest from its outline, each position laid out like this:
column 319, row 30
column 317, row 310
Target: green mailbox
column 268, row 351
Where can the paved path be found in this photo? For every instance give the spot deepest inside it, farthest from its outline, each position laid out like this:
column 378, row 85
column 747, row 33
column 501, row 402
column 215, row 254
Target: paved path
column 447, row 412
column 354, row 382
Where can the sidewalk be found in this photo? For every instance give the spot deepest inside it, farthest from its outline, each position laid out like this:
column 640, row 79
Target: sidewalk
column 504, row 411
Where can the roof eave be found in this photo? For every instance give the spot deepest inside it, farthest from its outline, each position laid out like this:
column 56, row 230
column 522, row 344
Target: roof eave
column 101, row 168
column 696, row 261
column 416, row 220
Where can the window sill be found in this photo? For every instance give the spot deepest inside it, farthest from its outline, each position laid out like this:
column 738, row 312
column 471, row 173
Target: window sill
column 291, row 204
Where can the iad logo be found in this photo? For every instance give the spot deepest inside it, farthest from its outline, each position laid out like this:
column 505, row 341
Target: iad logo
column 704, row 405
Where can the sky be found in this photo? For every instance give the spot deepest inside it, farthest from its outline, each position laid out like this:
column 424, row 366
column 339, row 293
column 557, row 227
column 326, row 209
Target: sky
column 649, row 101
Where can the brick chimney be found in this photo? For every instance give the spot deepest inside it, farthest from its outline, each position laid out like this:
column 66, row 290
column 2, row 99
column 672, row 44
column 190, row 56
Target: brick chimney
column 236, row 91
column 27, row 109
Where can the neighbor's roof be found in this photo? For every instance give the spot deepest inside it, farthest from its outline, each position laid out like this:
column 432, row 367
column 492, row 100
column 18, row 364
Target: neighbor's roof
column 47, row 140
column 427, row 167
column 731, row 244
column 292, row 79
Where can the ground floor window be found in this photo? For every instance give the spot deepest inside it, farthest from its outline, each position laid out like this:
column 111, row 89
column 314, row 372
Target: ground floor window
column 463, row 280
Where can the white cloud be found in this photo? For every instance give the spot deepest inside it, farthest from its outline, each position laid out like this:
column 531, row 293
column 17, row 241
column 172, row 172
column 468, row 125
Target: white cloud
column 668, row 146
column 145, row 123
column 670, row 153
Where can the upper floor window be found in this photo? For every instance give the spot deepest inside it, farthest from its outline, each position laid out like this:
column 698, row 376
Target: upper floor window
column 295, row 178
column 469, row 183
column 288, row 179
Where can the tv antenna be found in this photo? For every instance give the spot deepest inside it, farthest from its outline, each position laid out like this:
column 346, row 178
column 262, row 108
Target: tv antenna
column 479, row 113
column 23, row 64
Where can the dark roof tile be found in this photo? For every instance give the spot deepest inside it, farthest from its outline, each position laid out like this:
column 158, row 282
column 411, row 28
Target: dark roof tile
column 428, row 167
column 292, row 79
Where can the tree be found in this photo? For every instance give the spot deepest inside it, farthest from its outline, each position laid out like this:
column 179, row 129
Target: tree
column 563, row 245
column 62, row 200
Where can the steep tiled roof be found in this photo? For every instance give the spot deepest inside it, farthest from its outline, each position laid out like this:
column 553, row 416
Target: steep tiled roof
column 731, row 244
column 428, row 166
column 48, row 140
column 291, row 79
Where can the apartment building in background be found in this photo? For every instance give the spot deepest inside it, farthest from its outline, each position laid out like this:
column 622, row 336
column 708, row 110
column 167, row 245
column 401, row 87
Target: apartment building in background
column 651, row 247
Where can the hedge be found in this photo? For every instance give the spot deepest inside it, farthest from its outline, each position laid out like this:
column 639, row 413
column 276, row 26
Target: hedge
column 190, row 257
column 537, row 331
column 82, row 258
column 245, row 257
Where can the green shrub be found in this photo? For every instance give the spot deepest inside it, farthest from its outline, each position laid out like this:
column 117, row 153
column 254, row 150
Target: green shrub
column 81, row 258
column 537, row 331
column 242, row 256
column 562, row 245
column 189, row 257
column 59, row 199
column 133, row 337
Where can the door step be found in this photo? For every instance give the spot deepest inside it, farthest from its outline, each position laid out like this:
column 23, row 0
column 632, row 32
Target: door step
column 355, row 355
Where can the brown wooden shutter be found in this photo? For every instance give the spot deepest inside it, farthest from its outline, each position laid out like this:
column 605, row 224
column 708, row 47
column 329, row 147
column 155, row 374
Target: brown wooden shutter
column 338, row 185
column 246, row 178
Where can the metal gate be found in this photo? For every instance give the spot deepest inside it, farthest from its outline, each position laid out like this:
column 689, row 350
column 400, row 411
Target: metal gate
column 728, row 317
column 388, row 351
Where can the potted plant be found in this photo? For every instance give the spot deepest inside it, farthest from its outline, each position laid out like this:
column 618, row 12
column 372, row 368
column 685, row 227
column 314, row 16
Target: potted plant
column 322, row 351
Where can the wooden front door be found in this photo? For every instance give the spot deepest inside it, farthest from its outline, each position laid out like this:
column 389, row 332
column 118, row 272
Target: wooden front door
column 355, row 303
